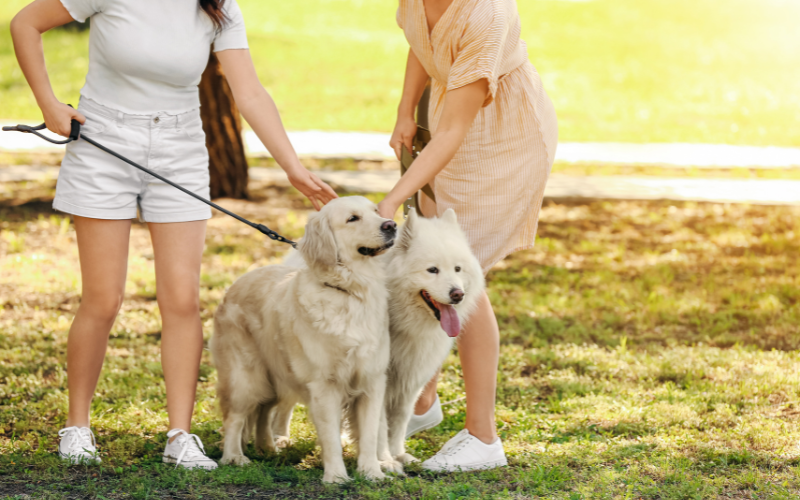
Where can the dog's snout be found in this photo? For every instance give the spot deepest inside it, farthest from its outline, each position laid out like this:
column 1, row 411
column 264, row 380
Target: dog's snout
column 389, row 227
column 456, row 295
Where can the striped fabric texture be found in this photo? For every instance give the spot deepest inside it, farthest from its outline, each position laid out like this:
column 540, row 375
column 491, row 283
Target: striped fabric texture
column 495, row 183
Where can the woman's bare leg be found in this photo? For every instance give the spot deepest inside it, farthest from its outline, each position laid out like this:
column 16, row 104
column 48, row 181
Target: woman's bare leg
column 103, row 250
column 479, row 350
column 178, row 250
column 428, row 396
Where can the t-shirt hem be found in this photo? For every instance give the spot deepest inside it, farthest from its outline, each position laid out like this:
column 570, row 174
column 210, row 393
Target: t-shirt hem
column 230, row 47
column 130, row 111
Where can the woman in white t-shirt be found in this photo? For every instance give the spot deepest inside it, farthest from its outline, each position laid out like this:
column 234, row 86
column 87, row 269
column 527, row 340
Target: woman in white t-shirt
column 146, row 58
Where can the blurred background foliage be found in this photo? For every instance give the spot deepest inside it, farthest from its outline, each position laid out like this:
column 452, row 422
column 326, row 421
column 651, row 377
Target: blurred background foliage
column 714, row 71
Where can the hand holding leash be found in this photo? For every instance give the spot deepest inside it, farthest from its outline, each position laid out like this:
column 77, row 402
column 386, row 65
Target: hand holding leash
column 58, row 117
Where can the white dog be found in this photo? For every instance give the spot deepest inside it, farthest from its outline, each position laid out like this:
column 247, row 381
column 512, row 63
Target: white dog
column 434, row 283
column 316, row 334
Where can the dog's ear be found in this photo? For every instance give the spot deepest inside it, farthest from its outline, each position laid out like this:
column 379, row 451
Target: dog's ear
column 449, row 215
column 318, row 246
column 403, row 241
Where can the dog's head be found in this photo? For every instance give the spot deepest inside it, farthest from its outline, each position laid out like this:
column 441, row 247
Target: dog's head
column 345, row 230
column 434, row 265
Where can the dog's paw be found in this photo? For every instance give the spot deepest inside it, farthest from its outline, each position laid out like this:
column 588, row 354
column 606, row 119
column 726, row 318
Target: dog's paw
column 335, row 478
column 405, row 458
column 283, row 442
column 235, row 460
column 392, row 466
column 372, row 472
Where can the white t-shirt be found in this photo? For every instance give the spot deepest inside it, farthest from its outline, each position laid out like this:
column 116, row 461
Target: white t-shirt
column 147, row 56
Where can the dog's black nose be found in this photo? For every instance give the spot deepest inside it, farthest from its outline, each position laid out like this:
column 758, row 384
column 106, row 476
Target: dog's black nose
column 389, row 226
column 456, row 295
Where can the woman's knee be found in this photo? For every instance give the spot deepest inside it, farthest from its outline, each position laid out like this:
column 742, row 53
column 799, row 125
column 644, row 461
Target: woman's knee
column 101, row 307
column 182, row 304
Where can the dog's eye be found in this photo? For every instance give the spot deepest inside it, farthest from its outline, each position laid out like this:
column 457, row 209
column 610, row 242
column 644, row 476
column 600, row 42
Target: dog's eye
column 354, row 218
column 458, row 269
column 433, row 270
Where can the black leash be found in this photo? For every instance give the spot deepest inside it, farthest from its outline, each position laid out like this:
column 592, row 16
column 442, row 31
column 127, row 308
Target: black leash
column 75, row 134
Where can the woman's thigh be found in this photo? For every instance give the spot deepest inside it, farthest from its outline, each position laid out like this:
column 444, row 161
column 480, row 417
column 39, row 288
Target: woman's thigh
column 103, row 251
column 178, row 250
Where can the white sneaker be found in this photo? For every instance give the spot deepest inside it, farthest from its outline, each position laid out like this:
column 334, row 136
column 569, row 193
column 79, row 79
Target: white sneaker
column 187, row 451
column 464, row 452
column 77, row 445
column 429, row 420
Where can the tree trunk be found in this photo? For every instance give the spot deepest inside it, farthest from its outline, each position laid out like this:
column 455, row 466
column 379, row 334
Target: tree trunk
column 223, row 127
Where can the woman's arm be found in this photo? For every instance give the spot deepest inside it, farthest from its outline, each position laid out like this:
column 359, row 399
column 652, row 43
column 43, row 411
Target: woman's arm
column 26, row 31
column 260, row 111
column 461, row 106
column 413, row 86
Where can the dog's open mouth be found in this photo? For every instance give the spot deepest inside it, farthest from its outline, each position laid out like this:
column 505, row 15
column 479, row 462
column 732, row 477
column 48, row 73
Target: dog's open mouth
column 372, row 252
column 445, row 314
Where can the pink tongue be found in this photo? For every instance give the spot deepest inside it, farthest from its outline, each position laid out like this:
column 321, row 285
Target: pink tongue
column 450, row 322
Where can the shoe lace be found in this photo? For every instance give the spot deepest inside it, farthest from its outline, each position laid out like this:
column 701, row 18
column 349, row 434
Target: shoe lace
column 191, row 446
column 78, row 434
column 456, row 444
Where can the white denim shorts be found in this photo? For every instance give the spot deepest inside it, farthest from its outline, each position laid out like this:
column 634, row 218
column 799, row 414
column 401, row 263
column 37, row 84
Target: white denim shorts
column 94, row 184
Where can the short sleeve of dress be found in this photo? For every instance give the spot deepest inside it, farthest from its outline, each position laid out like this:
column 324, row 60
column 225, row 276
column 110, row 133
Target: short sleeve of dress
column 480, row 49
column 80, row 10
column 233, row 34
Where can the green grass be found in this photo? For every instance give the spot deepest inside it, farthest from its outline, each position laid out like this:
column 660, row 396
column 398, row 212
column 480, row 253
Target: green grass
column 647, row 71
column 649, row 351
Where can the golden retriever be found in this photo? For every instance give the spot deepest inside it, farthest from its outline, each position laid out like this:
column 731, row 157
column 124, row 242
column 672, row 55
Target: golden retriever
column 317, row 333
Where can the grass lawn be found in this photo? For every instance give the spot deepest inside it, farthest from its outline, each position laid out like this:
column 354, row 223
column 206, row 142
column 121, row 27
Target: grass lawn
column 717, row 71
column 649, row 351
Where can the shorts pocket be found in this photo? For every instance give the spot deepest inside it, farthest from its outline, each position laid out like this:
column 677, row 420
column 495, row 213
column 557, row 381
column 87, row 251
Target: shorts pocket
column 193, row 129
column 93, row 126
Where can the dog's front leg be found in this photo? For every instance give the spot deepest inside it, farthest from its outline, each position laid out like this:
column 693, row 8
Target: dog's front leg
column 387, row 461
column 325, row 407
column 264, row 440
column 232, row 453
column 369, row 407
column 281, row 422
column 397, row 419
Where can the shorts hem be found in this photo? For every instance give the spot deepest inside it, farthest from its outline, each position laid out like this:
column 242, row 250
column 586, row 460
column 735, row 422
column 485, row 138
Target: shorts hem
column 192, row 216
column 94, row 213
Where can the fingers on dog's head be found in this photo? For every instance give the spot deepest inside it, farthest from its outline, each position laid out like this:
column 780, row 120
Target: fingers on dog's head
column 318, row 246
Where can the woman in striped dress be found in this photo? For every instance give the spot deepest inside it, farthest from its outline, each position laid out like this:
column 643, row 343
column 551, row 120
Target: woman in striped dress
column 494, row 136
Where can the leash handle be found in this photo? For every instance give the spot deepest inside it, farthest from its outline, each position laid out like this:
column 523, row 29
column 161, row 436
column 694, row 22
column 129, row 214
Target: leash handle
column 23, row 128
column 74, row 134
column 75, row 130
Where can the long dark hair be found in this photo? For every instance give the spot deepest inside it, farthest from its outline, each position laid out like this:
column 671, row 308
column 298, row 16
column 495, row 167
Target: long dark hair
column 213, row 8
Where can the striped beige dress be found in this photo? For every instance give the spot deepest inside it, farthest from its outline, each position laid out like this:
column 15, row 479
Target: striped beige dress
column 495, row 183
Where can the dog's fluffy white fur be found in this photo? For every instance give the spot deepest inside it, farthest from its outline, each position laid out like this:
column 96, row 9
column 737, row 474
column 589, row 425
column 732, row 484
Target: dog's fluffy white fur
column 316, row 334
column 429, row 268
